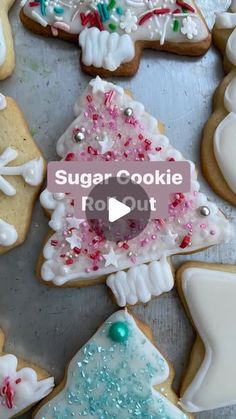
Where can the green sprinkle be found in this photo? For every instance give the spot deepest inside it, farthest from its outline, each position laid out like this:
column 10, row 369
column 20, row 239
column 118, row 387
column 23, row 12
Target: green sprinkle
column 111, row 4
column 43, row 7
column 58, row 10
column 175, row 25
column 184, row 10
column 119, row 11
column 112, row 26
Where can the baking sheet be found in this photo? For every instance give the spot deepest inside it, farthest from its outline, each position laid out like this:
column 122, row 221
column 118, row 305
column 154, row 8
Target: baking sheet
column 47, row 325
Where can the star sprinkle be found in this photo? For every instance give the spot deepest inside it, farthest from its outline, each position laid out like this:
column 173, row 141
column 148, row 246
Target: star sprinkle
column 97, row 85
column 75, row 222
column 106, row 144
column 74, row 241
column 111, row 258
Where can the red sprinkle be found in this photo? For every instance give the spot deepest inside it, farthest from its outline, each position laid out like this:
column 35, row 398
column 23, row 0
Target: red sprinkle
column 185, row 5
column 8, row 392
column 185, row 242
column 148, row 15
column 92, row 151
column 69, row 261
column 34, row 3
column 18, row 381
column 70, row 156
column 54, row 242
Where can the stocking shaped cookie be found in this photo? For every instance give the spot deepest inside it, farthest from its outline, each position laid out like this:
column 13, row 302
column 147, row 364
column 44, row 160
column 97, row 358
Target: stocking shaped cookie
column 224, row 35
column 119, row 373
column 110, row 125
column 208, row 293
column 7, row 56
column 21, row 175
column 21, row 384
column 112, row 34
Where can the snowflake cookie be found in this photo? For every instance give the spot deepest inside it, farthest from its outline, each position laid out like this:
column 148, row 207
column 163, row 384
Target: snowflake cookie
column 120, row 374
column 22, row 384
column 74, row 255
column 113, row 33
column 7, row 56
column 21, row 175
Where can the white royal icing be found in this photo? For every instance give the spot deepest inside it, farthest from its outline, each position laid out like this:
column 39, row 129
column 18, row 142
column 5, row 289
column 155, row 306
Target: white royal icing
column 2, row 45
column 103, row 49
column 19, row 389
column 210, row 295
column 3, row 102
column 225, row 138
column 118, row 377
column 31, row 172
column 141, row 282
column 139, row 20
column 225, row 150
column 8, row 234
column 227, row 20
column 166, row 237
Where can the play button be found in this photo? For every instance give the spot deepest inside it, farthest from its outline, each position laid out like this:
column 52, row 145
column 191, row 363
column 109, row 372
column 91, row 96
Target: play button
column 116, row 210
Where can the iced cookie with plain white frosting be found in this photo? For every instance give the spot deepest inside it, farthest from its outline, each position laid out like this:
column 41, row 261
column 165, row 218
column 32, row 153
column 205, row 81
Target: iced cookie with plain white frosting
column 113, row 33
column 224, row 36
column 7, row 55
column 208, row 292
column 218, row 149
column 22, row 169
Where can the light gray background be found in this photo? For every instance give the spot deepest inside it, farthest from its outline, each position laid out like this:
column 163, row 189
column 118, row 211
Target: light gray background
column 48, row 325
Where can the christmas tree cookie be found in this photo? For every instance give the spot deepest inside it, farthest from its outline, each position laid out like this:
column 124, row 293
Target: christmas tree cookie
column 111, row 125
column 113, row 33
column 208, row 293
column 21, row 175
column 7, row 56
column 118, row 374
column 21, row 384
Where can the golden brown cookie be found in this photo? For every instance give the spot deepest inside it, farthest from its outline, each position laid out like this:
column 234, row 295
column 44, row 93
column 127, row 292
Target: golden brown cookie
column 123, row 372
column 22, row 169
column 112, row 35
column 73, row 254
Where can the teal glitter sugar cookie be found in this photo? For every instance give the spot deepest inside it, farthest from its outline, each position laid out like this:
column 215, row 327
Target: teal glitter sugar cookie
column 118, row 374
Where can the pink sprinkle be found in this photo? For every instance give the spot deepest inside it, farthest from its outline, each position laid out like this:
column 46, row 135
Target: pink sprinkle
column 133, row 259
column 202, row 226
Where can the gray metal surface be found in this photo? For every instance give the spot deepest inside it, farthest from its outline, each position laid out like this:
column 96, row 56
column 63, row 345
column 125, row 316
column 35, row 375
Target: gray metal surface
column 48, row 325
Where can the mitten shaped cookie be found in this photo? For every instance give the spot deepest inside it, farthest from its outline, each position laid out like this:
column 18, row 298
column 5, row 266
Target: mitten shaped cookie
column 21, row 175
column 112, row 34
column 110, row 125
column 7, row 55
column 21, row 384
column 119, row 373
column 218, row 150
column 208, row 293
column 224, row 36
